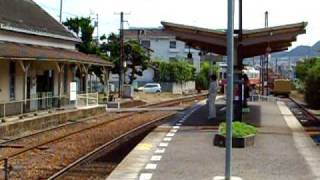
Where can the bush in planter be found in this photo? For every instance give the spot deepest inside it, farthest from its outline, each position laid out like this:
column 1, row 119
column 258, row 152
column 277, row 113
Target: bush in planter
column 239, row 129
column 243, row 135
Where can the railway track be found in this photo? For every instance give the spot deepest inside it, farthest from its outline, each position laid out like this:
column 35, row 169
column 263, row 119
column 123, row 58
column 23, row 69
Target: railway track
column 84, row 122
column 107, row 147
column 309, row 121
column 15, row 162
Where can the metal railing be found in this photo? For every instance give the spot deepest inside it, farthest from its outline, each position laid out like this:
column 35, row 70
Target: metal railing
column 45, row 102
column 261, row 98
column 33, row 105
column 89, row 99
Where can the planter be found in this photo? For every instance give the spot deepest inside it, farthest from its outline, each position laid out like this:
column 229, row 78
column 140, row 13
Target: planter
column 220, row 140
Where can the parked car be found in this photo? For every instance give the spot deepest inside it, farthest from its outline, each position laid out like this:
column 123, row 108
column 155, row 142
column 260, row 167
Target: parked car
column 152, row 88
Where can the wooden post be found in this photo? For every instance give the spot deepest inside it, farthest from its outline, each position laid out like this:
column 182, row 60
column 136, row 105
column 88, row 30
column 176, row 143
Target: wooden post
column 85, row 69
column 25, row 69
column 6, row 169
column 106, row 81
column 60, row 69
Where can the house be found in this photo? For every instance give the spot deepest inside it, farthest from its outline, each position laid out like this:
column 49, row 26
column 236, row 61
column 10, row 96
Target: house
column 38, row 58
column 164, row 46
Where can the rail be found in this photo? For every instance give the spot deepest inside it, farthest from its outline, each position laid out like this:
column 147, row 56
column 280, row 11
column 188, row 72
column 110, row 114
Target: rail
column 107, row 147
column 5, row 159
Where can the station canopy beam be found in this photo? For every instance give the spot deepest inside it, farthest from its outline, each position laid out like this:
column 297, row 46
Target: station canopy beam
column 254, row 42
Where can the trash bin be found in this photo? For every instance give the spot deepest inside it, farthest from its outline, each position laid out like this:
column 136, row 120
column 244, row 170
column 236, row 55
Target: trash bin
column 128, row 91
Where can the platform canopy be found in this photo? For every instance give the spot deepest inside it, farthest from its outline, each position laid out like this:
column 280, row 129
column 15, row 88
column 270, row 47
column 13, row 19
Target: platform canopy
column 254, row 42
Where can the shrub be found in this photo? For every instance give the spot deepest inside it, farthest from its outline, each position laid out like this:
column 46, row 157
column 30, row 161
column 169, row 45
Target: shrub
column 202, row 79
column 239, row 129
column 173, row 71
column 312, row 86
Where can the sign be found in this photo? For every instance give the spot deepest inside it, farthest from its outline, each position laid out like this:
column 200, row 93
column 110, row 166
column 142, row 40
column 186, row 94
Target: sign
column 73, row 91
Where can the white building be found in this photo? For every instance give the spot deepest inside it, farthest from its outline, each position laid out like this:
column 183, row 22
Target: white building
column 164, row 46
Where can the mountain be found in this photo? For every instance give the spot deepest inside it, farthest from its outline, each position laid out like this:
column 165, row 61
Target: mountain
column 316, row 46
column 303, row 51
column 300, row 52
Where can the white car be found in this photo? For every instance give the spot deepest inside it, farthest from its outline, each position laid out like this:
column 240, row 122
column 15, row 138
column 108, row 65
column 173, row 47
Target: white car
column 152, row 88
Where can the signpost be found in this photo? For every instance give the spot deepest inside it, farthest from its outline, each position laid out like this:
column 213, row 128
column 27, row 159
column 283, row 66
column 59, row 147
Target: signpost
column 73, row 91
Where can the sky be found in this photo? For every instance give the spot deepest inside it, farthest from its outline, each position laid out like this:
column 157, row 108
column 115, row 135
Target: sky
column 202, row 13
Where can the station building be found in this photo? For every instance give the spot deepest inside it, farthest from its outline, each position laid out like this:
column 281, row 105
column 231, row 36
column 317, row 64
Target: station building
column 38, row 58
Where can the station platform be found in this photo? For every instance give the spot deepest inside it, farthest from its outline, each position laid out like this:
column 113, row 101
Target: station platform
column 183, row 149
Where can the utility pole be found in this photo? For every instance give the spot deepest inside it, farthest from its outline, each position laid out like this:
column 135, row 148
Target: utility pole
column 122, row 55
column 230, row 54
column 60, row 16
column 121, row 70
column 267, row 54
column 97, row 26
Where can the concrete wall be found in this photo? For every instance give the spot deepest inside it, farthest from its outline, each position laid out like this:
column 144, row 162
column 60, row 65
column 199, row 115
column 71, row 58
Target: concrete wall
column 179, row 88
column 50, row 120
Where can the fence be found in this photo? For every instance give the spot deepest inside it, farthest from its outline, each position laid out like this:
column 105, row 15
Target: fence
column 89, row 99
column 45, row 102
column 178, row 88
column 261, row 98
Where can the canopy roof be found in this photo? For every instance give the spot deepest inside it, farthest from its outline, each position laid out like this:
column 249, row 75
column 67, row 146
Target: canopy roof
column 18, row 51
column 254, row 42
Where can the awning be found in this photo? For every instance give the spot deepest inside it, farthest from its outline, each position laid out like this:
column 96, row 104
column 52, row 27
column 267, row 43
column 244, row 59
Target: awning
column 17, row 51
column 254, row 42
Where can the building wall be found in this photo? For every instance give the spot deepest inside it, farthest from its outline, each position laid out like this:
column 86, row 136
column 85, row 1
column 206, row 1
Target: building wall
column 36, row 68
column 160, row 44
column 35, row 40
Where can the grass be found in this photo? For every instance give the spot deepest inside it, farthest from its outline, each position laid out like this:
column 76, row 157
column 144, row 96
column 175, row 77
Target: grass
column 239, row 129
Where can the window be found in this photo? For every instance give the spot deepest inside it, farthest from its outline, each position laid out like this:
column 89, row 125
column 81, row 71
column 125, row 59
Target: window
column 146, row 43
column 173, row 44
column 12, row 80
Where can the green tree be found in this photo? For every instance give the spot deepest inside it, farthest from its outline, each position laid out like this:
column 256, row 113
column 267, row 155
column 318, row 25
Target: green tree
column 173, row 71
column 202, row 79
column 312, row 85
column 135, row 56
column 83, row 27
column 302, row 68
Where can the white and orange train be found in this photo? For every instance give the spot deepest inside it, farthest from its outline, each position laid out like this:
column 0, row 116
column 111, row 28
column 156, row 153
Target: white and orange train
column 252, row 73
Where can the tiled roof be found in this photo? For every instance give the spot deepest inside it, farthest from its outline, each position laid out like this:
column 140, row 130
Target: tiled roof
column 18, row 51
column 26, row 15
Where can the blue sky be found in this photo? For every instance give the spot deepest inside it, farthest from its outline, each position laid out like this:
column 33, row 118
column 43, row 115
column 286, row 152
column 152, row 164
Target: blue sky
column 204, row 13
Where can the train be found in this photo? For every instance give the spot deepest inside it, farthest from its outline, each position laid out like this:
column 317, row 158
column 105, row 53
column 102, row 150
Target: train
column 252, row 73
column 276, row 84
